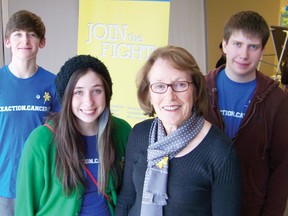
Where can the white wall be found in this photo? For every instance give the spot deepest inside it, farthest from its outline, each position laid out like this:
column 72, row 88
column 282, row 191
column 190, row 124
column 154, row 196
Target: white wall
column 188, row 28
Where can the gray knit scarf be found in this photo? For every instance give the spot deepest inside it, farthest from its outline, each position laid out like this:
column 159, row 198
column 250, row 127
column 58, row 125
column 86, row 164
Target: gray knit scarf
column 161, row 149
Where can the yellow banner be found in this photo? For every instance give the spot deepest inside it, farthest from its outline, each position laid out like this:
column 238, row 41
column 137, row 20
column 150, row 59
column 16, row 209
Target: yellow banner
column 123, row 34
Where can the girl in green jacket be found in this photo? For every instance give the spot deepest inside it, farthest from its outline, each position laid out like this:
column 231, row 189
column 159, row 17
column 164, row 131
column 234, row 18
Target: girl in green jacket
column 72, row 165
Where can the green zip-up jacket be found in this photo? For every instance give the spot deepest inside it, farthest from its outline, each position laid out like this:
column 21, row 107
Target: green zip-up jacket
column 39, row 191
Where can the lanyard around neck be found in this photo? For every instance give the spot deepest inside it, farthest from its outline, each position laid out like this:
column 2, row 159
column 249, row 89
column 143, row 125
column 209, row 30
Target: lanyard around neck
column 96, row 183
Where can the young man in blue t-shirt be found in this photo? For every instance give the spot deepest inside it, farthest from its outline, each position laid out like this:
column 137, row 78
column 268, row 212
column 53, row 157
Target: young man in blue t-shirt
column 27, row 94
column 253, row 111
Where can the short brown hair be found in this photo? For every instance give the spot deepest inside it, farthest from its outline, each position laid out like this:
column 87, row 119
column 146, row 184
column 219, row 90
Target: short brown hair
column 250, row 23
column 27, row 21
column 180, row 59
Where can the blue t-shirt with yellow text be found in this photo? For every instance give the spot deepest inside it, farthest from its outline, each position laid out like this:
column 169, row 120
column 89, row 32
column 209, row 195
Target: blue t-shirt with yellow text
column 24, row 103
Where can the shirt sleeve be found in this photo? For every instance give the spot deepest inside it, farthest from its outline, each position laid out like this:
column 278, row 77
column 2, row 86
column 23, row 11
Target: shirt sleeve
column 127, row 194
column 277, row 190
column 227, row 189
column 31, row 172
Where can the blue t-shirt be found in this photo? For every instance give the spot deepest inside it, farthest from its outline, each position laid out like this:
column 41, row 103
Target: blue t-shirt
column 93, row 204
column 233, row 100
column 24, row 103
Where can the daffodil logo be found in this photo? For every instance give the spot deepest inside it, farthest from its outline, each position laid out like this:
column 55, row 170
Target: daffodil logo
column 46, row 97
column 163, row 162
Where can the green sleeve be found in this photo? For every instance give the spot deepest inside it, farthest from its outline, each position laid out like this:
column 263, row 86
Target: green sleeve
column 31, row 171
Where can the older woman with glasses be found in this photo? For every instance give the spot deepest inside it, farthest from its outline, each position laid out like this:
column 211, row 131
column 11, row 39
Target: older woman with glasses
column 177, row 163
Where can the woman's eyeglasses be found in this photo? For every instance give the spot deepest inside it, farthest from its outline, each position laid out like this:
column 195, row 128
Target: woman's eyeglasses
column 179, row 86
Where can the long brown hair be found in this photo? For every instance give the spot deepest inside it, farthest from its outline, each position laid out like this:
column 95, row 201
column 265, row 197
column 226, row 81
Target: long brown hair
column 70, row 148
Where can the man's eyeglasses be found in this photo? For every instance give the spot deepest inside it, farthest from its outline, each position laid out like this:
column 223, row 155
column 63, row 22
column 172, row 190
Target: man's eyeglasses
column 179, row 86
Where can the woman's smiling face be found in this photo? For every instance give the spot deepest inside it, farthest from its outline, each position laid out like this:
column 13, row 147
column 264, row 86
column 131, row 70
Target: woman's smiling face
column 172, row 108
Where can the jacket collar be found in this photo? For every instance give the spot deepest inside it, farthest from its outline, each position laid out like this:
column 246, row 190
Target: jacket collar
column 264, row 84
